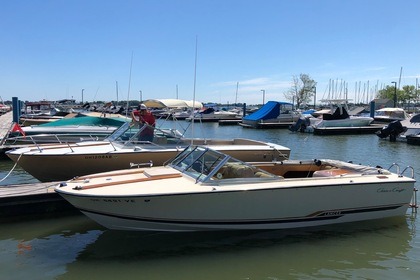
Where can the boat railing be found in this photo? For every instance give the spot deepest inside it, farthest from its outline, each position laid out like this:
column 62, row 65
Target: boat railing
column 396, row 165
column 408, row 168
column 413, row 203
column 68, row 144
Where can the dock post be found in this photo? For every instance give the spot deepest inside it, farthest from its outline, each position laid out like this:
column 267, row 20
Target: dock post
column 372, row 109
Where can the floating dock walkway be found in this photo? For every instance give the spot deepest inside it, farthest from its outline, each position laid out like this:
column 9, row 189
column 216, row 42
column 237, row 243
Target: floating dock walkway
column 32, row 199
column 268, row 125
column 348, row 130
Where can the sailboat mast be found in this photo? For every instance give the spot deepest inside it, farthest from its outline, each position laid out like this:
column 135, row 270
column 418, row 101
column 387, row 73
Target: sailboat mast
column 195, row 79
column 116, row 88
column 236, row 96
column 399, row 81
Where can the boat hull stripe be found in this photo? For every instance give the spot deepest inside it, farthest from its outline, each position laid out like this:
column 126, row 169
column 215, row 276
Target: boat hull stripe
column 318, row 216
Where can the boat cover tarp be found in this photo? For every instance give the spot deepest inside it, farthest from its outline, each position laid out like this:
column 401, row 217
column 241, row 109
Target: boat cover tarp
column 415, row 119
column 86, row 120
column 270, row 110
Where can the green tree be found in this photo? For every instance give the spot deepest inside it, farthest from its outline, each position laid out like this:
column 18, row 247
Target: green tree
column 404, row 95
column 409, row 94
column 302, row 90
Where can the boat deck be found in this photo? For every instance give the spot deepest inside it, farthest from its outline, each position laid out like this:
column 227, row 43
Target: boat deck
column 229, row 122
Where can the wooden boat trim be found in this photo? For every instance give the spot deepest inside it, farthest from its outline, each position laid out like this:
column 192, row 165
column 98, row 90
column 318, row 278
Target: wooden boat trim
column 113, row 183
column 107, row 174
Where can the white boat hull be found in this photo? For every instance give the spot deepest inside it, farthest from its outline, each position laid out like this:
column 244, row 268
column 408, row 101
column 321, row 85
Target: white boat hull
column 349, row 122
column 278, row 206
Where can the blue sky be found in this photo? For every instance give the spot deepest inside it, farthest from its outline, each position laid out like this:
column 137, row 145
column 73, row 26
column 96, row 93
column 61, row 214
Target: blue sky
column 54, row 49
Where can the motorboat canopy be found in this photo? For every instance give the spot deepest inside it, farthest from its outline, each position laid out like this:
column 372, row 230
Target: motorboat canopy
column 172, row 103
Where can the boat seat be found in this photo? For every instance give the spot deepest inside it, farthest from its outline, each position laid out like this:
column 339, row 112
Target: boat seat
column 235, row 170
column 331, row 172
column 262, row 175
column 160, row 140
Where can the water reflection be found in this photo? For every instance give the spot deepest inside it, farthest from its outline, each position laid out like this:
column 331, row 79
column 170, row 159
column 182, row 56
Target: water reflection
column 17, row 176
column 319, row 253
column 75, row 247
column 41, row 249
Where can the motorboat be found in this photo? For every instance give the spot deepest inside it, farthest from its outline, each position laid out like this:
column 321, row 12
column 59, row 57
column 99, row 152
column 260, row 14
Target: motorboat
column 40, row 112
column 388, row 115
column 212, row 115
column 272, row 114
column 176, row 109
column 56, row 162
column 336, row 117
column 407, row 130
column 340, row 118
column 72, row 129
column 202, row 189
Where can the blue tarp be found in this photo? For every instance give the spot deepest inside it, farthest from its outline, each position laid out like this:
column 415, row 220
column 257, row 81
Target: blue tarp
column 270, row 110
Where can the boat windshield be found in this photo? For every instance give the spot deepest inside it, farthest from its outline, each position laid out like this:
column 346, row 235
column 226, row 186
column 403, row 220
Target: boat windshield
column 129, row 134
column 205, row 164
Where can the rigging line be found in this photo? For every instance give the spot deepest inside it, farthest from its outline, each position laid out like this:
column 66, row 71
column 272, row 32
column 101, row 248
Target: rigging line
column 13, row 168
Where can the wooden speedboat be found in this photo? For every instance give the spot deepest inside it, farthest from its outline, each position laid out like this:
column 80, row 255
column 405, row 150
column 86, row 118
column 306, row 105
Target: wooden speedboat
column 57, row 162
column 202, row 189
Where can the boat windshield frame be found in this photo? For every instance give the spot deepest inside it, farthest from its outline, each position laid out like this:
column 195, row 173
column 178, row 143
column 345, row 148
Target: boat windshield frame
column 201, row 163
column 205, row 164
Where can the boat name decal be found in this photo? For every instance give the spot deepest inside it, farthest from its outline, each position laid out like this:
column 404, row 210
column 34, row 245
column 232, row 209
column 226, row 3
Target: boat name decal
column 98, row 157
column 331, row 213
column 113, row 200
column 392, row 190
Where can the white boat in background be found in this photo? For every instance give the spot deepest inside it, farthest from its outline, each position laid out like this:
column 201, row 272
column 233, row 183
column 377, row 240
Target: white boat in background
column 56, row 162
column 212, row 115
column 335, row 117
column 407, row 130
column 173, row 108
column 3, row 107
column 390, row 114
column 202, row 189
column 340, row 118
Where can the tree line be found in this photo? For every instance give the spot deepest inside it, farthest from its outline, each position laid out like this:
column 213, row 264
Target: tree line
column 303, row 91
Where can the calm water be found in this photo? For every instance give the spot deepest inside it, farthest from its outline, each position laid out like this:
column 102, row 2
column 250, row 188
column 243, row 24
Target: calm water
column 73, row 247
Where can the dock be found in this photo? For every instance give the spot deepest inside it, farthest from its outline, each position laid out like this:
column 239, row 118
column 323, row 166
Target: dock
column 229, row 122
column 348, row 130
column 268, row 125
column 5, row 124
column 32, row 199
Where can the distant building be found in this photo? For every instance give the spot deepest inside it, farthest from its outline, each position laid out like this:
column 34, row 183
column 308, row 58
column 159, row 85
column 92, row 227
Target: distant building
column 383, row 103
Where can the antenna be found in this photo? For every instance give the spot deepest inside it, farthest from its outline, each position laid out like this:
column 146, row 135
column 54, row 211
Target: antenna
column 195, row 78
column 129, row 84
